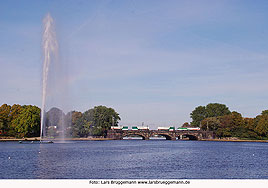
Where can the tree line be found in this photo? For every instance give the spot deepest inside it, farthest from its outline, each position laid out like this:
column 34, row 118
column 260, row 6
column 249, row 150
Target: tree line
column 24, row 121
column 19, row 121
column 218, row 118
column 95, row 121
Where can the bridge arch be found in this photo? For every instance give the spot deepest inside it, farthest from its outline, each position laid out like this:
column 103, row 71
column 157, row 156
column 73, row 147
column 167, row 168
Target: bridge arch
column 188, row 137
column 135, row 134
column 168, row 137
column 166, row 134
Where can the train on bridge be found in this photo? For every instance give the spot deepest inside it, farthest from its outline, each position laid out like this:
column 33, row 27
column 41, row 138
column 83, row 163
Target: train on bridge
column 159, row 128
column 171, row 133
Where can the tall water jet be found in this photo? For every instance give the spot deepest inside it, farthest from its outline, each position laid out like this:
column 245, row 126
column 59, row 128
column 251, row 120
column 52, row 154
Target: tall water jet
column 53, row 83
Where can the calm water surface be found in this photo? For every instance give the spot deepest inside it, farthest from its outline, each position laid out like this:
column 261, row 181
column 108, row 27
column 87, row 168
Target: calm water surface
column 126, row 159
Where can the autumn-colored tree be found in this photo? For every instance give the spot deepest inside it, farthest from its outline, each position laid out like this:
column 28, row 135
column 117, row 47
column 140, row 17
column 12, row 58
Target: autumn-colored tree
column 237, row 126
column 4, row 118
column 225, row 126
column 14, row 113
column 186, row 124
column 249, row 123
column 261, row 122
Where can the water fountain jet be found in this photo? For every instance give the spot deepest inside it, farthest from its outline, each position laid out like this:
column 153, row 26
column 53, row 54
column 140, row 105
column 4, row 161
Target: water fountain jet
column 53, row 78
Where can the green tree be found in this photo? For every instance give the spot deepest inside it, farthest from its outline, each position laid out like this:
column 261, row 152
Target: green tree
column 14, row 113
column 55, row 117
column 103, row 119
column 211, row 110
column 237, row 124
column 216, row 109
column 249, row 123
column 264, row 112
column 262, row 125
column 210, row 124
column 76, row 116
column 55, row 122
column 4, row 118
column 27, row 123
column 2, row 127
column 197, row 115
column 82, row 123
column 231, row 125
column 71, row 121
column 249, row 127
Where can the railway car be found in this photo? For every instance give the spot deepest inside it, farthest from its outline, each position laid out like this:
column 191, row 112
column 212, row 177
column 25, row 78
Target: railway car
column 188, row 129
column 143, row 128
column 124, row 128
column 193, row 129
column 166, row 128
column 162, row 128
column 182, row 129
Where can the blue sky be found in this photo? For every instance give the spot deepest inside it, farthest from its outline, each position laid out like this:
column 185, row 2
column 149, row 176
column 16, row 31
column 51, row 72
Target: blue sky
column 152, row 61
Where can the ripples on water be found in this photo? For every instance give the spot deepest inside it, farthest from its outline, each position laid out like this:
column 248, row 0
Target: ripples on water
column 127, row 159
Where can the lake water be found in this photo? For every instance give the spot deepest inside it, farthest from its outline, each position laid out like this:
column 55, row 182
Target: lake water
column 138, row 159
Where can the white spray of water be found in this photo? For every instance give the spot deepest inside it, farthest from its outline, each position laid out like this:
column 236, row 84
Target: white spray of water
column 50, row 50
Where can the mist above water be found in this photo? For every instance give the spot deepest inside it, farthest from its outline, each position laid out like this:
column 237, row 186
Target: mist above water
column 54, row 83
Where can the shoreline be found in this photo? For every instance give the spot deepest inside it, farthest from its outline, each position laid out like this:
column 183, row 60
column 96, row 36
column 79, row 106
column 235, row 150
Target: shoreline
column 55, row 139
column 104, row 139
column 226, row 140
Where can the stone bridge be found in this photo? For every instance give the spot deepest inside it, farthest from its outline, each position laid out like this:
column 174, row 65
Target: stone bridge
column 170, row 135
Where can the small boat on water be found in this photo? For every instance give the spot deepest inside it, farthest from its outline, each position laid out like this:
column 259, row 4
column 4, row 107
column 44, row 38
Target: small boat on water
column 46, row 142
